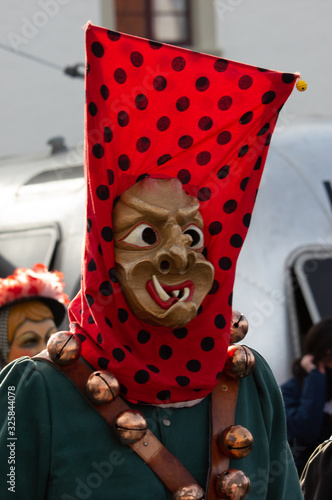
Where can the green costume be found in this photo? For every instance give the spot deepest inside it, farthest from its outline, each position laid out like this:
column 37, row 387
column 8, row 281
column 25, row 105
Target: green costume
column 64, row 450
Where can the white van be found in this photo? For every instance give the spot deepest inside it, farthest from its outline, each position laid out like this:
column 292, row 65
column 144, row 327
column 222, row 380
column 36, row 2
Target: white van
column 284, row 273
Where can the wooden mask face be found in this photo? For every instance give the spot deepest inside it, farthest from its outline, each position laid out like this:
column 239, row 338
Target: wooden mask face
column 158, row 252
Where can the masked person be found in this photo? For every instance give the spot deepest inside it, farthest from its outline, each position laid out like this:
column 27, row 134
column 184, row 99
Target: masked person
column 32, row 306
column 144, row 398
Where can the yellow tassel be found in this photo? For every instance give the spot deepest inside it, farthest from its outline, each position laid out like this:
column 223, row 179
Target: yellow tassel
column 301, row 85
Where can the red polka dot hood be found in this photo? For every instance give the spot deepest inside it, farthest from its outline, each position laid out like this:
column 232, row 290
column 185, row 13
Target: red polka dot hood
column 161, row 111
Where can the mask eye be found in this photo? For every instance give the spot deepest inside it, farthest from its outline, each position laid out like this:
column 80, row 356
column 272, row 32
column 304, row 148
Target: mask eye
column 196, row 235
column 142, row 236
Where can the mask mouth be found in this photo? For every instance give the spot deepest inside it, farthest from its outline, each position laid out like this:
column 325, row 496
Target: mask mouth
column 168, row 295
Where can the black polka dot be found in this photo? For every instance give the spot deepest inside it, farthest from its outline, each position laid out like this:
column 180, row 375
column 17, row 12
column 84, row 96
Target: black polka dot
column 182, row 380
column 106, row 288
column 122, row 315
column 108, row 322
column 97, row 49
column 185, row 141
column 142, row 376
column 164, row 395
column 123, row 389
column 221, row 65
column 180, row 333
column 224, row 138
column 143, row 144
column 141, row 102
column 103, row 363
column 264, row 129
column 92, row 108
column 243, row 183
column 205, row 253
column 155, row 45
column 92, row 265
column 204, row 194
column 258, row 163
column 104, row 92
column 87, row 68
column 220, row 321
column 123, row 118
column 100, row 338
column 113, row 275
column 199, row 310
column 203, row 158
column 141, row 177
column 207, row 344
column 124, row 162
column 165, row 352
column 98, row 151
column 246, row 220
column 268, row 97
column 225, row 103
column 243, row 151
column 183, row 103
column 118, row 354
column 230, row 206
column 245, row 82
column 202, row 83
column 262, row 70
column 288, row 77
column 205, row 123
column 120, row 76
column 214, row 288
column 127, row 347
column 193, row 365
column 163, row 123
column 143, row 337
column 136, row 59
column 108, row 134
column 223, row 172
column 246, row 118
column 184, row 176
column 215, row 227
column 230, row 299
column 114, row 36
column 90, row 300
column 103, row 192
column 107, row 234
column 163, row 159
column 236, row 241
column 225, row 263
column 110, row 176
column 81, row 337
column 159, row 83
column 178, row 63
column 88, row 225
column 268, row 139
column 153, row 368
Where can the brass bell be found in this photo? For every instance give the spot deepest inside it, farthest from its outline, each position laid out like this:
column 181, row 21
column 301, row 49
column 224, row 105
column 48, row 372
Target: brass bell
column 102, row 387
column 240, row 361
column 235, row 442
column 239, row 327
column 130, row 426
column 232, row 484
column 64, row 348
column 189, row 492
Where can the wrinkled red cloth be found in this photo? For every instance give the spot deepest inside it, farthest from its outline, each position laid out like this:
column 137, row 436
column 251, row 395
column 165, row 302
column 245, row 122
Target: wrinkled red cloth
column 158, row 110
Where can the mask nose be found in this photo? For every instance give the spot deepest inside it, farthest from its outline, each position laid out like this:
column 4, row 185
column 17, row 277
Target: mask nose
column 176, row 255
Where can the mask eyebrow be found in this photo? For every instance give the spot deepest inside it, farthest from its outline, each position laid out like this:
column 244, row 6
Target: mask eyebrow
column 145, row 208
column 188, row 212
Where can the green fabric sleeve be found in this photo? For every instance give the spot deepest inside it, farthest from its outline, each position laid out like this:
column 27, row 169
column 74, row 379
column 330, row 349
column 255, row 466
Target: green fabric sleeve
column 24, row 445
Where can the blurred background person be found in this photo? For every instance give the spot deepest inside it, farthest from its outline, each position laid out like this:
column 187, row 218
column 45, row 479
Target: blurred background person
column 308, row 395
column 32, row 306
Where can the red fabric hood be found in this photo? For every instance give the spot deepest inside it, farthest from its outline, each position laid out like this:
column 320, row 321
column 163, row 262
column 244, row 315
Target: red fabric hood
column 158, row 110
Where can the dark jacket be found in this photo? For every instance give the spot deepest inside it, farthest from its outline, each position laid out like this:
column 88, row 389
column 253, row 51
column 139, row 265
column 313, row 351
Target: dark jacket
column 316, row 477
column 306, row 424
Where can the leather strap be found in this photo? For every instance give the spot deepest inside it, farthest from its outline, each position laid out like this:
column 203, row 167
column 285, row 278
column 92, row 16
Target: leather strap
column 165, row 465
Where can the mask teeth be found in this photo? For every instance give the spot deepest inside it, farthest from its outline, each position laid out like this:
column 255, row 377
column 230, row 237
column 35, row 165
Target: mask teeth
column 159, row 289
column 186, row 293
column 175, row 293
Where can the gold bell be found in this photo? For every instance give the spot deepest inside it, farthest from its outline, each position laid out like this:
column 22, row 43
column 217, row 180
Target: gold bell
column 240, row 361
column 64, row 348
column 232, row 484
column 130, row 426
column 239, row 327
column 102, row 387
column 236, row 442
column 189, row 492
column 301, row 85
